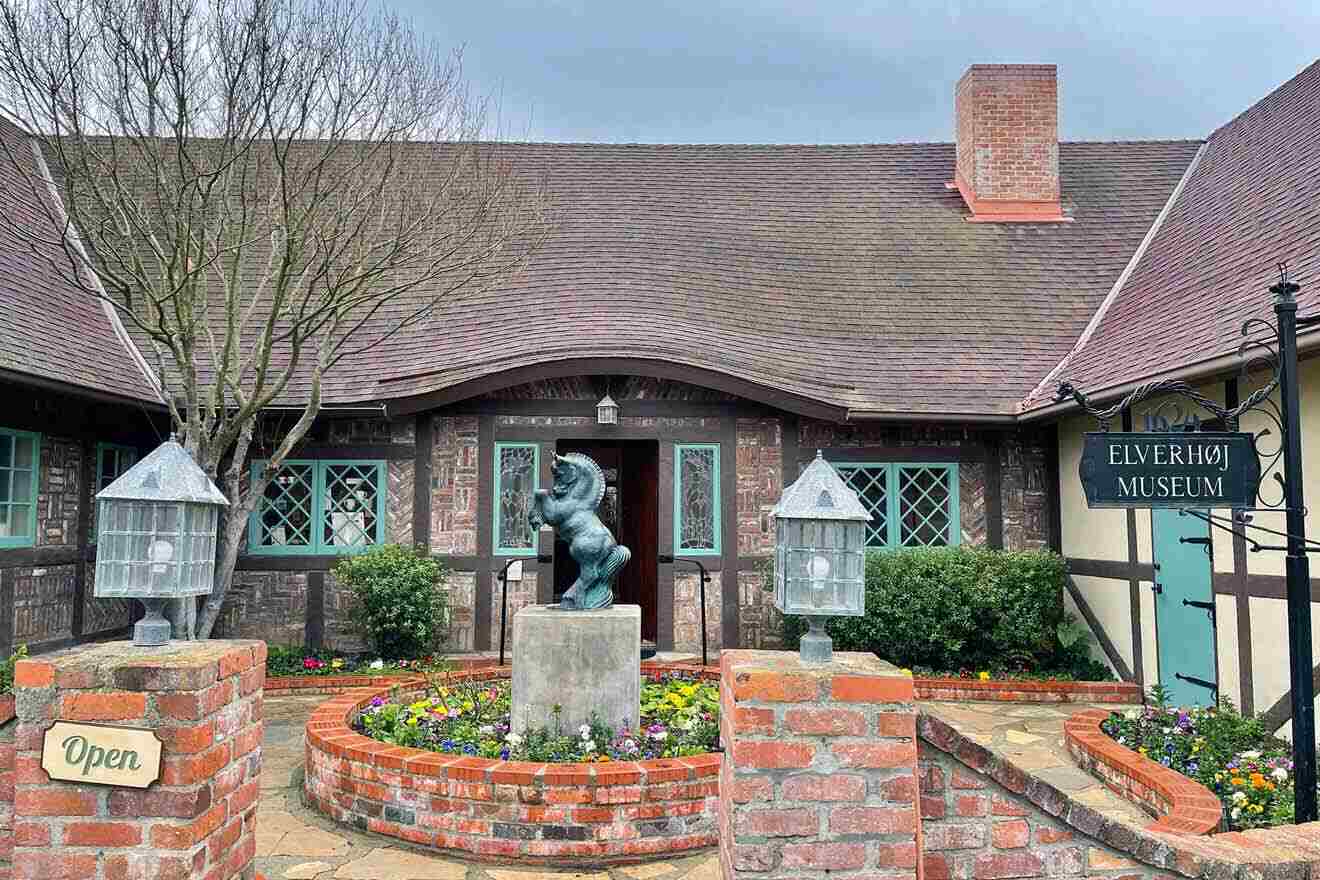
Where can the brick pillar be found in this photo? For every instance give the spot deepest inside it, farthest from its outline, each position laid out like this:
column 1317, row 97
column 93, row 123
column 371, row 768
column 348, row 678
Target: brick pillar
column 197, row 822
column 820, row 768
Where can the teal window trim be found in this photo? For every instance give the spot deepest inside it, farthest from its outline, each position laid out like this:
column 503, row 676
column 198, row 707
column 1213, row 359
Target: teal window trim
column 496, row 538
column 894, row 501
column 318, row 546
column 716, row 500
column 30, row 538
column 102, row 449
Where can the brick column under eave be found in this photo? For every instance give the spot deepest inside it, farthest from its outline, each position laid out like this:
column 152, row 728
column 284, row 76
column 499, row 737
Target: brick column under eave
column 198, row 821
column 820, row 772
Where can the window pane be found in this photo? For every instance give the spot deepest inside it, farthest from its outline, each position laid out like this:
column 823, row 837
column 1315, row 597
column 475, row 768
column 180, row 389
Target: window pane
column 285, row 515
column 925, row 506
column 22, row 486
column 6, row 513
column 349, row 497
column 516, row 485
column 6, row 450
column 871, row 483
column 24, row 452
column 698, row 498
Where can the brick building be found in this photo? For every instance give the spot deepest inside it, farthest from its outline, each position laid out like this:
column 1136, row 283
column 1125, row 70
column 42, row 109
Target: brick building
column 902, row 308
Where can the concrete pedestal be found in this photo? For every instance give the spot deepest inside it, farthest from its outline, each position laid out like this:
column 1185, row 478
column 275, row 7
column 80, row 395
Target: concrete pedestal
column 581, row 661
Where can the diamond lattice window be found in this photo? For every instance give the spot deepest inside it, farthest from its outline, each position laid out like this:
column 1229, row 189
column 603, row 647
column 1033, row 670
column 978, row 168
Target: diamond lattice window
column 697, row 499
column 911, row 505
column 319, row 507
column 516, row 469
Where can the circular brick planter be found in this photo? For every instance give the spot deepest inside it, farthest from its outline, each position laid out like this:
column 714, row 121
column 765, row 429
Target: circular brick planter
column 555, row 814
column 1012, row 690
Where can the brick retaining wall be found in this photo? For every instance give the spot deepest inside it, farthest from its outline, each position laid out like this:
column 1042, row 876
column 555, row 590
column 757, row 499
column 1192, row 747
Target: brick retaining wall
column 533, row 812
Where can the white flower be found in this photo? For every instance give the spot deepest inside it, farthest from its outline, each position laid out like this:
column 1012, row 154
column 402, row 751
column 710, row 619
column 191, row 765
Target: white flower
column 1239, row 797
column 660, row 735
column 1132, row 714
column 377, row 664
column 1237, row 812
column 513, row 739
column 1250, row 756
column 589, row 746
column 585, row 731
column 487, row 729
column 1280, row 774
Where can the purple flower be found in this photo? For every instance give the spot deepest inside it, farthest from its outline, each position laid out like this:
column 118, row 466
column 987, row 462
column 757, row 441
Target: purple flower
column 377, row 702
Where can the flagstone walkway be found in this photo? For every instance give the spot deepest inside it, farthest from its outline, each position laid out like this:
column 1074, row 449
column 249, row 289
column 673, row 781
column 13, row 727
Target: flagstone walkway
column 294, row 843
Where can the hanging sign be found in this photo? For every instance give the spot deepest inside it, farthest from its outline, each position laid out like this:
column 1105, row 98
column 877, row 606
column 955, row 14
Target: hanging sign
column 101, row 754
column 1170, row 469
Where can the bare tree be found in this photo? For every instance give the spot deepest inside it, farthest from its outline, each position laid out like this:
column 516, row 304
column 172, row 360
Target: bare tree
column 263, row 190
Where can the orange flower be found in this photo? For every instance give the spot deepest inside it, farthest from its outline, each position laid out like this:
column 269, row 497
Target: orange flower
column 1238, row 780
column 1257, row 781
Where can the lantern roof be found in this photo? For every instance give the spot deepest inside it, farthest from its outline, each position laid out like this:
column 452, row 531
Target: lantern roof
column 606, row 401
column 820, row 493
column 167, row 474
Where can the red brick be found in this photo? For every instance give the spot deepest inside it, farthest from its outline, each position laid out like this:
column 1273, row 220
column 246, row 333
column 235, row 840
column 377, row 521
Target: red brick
column 190, row 769
column 1052, row 835
column 873, row 820
column 932, row 778
column 896, row 724
column 1002, row 866
column 32, row 834
column 963, row 779
column 748, row 720
column 824, row 856
column 745, row 790
column 250, row 682
column 110, row 706
column 159, row 802
column 941, row 836
column 102, row 834
column 54, row 865
column 1010, row 834
column 896, row 855
column 33, row 674
column 888, row 754
column 753, row 857
column 1002, row 806
column 972, row 805
column 184, row 836
column 54, row 802
column 825, row 722
column 932, row 807
column 28, row 770
column 235, row 662
column 776, row 823
column 774, row 687
column 186, row 740
column 901, row 789
column 771, row 754
column 245, row 797
column 220, row 843
column 871, row 688
column 832, row 788
column 934, row 867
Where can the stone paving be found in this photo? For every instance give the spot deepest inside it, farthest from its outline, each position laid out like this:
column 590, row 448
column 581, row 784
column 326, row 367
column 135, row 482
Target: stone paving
column 294, row 843
column 1030, row 735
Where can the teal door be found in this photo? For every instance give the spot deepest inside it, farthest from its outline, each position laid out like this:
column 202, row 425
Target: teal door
column 1184, row 607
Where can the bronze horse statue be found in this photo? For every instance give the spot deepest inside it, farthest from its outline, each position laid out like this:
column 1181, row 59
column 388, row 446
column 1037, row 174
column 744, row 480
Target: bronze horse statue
column 570, row 506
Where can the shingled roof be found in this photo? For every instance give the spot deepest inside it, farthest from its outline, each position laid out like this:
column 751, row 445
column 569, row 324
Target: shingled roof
column 1252, row 200
column 50, row 331
column 840, row 274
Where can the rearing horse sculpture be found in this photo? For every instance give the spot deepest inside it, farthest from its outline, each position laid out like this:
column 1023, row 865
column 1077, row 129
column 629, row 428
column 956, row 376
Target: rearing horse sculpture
column 570, row 506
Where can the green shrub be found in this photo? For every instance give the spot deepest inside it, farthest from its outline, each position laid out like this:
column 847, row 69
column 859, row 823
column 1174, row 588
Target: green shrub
column 398, row 602
column 948, row 609
column 7, row 669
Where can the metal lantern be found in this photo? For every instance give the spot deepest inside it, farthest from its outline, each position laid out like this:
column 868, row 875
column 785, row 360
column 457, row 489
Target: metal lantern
column 820, row 554
column 156, row 534
column 607, row 411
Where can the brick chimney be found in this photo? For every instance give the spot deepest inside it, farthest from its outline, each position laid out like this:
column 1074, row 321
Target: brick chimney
column 1008, row 143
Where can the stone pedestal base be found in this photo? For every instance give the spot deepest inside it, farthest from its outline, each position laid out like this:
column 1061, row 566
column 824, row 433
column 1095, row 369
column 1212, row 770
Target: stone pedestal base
column 581, row 661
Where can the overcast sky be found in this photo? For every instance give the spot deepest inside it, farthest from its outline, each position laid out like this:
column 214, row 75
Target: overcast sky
column 847, row 71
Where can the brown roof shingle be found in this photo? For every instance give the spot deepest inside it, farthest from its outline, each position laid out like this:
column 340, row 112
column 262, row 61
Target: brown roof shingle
column 49, row 329
column 1253, row 200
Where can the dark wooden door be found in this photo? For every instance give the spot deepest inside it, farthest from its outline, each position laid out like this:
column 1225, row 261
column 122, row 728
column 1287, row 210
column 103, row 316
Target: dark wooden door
column 631, row 511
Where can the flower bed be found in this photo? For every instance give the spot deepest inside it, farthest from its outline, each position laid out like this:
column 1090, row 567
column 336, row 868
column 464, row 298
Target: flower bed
column 679, row 718
column 538, row 812
column 1248, row 770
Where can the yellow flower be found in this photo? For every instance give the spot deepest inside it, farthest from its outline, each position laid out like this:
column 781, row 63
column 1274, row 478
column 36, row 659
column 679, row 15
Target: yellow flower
column 983, row 675
column 337, row 663
column 1142, row 750
column 905, row 671
column 688, row 690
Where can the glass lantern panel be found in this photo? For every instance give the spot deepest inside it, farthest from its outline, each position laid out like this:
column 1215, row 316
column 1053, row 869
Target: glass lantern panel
column 351, row 499
column 697, row 499
column 516, row 466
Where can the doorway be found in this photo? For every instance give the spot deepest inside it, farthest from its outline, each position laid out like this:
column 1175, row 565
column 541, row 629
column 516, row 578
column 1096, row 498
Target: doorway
column 631, row 511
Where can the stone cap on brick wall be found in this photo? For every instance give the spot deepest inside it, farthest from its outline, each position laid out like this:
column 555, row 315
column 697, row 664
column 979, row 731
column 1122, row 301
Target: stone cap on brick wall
column 125, row 667
column 781, row 676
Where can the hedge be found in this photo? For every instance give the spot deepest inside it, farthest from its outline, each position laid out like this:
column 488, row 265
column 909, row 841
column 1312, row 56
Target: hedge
column 949, row 609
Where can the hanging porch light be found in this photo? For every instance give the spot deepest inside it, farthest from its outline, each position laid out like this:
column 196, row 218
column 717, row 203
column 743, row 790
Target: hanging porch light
column 607, row 411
